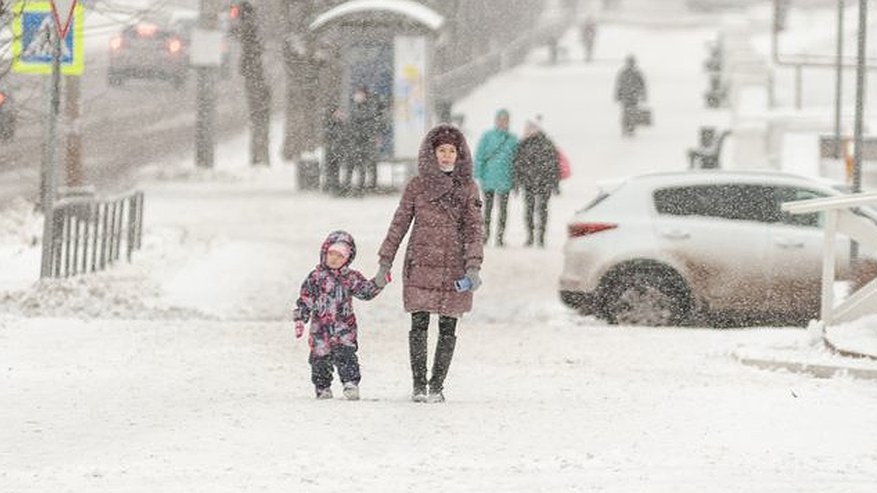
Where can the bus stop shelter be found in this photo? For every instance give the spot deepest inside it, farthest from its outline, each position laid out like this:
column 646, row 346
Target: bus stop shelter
column 387, row 46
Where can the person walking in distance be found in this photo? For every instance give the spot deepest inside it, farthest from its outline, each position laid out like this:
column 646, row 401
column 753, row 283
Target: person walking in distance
column 630, row 89
column 493, row 170
column 589, row 36
column 336, row 144
column 538, row 173
column 442, row 209
column 364, row 126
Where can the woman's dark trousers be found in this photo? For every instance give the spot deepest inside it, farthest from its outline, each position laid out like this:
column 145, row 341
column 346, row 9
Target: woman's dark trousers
column 444, row 351
column 503, row 213
column 536, row 201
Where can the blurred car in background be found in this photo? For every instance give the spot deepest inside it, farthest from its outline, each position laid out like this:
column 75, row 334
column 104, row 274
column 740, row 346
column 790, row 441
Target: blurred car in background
column 8, row 115
column 148, row 50
column 659, row 249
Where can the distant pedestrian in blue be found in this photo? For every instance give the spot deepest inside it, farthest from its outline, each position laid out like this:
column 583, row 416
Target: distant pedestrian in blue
column 493, row 170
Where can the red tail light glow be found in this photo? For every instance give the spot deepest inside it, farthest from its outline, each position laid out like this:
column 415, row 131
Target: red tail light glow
column 174, row 46
column 576, row 230
column 116, row 43
column 146, row 30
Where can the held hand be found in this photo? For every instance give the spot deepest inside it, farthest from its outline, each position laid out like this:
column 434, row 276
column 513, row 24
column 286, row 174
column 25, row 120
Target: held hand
column 474, row 278
column 383, row 276
column 299, row 329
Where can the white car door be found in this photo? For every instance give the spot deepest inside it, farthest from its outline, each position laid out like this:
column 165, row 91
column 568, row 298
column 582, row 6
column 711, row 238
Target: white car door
column 795, row 257
column 713, row 231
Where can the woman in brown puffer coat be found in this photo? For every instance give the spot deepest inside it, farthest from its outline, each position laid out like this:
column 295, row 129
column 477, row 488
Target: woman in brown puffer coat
column 444, row 251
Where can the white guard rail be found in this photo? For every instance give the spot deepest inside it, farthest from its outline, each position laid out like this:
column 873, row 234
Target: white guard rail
column 840, row 218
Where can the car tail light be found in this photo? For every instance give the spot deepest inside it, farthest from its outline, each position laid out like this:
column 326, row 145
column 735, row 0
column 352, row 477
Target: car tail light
column 116, row 43
column 174, row 46
column 583, row 229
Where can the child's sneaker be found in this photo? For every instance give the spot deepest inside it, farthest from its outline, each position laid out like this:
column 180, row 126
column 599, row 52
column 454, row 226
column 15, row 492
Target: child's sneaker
column 435, row 397
column 324, row 393
column 419, row 395
column 351, row 391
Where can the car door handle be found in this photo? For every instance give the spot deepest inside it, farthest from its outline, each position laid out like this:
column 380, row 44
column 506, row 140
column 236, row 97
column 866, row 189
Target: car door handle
column 789, row 243
column 675, row 234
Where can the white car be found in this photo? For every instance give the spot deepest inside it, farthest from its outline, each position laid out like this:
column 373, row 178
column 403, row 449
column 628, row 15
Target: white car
column 658, row 249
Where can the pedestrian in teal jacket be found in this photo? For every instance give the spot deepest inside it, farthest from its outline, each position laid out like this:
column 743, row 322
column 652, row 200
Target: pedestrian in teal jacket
column 493, row 170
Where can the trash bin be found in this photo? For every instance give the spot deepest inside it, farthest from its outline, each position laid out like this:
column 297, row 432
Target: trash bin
column 308, row 175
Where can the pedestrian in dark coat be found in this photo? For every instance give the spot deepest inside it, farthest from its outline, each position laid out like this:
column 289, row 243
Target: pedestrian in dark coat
column 335, row 137
column 442, row 209
column 589, row 36
column 538, row 173
column 326, row 300
column 630, row 89
column 364, row 129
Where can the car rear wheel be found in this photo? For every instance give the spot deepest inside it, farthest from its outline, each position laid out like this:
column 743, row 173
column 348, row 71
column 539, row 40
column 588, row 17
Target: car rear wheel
column 645, row 298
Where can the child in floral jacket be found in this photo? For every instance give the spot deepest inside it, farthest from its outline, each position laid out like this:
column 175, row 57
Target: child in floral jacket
column 326, row 300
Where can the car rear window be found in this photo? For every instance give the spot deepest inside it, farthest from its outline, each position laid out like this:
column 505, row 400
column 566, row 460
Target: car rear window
column 738, row 202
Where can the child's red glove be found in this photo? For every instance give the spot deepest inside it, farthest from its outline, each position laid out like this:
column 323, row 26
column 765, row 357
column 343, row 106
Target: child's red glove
column 299, row 328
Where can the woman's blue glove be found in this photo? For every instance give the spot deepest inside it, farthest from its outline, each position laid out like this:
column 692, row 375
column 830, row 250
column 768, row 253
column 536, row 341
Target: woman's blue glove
column 474, row 278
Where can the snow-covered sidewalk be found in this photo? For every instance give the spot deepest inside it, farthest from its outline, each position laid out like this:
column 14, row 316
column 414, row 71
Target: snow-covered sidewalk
column 179, row 372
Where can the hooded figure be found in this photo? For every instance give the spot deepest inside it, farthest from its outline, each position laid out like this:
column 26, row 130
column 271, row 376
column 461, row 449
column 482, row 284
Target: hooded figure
column 445, row 246
column 326, row 300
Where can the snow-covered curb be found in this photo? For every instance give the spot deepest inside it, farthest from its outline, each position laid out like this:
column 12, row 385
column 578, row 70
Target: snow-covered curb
column 815, row 354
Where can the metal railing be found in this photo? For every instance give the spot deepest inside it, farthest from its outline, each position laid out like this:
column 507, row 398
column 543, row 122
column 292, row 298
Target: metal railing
column 460, row 81
column 88, row 233
column 840, row 217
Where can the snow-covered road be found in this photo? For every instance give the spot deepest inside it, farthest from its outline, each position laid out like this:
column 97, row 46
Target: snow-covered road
column 189, row 379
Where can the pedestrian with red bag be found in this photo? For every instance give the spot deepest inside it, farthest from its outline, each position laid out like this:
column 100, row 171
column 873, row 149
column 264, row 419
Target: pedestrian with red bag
column 537, row 172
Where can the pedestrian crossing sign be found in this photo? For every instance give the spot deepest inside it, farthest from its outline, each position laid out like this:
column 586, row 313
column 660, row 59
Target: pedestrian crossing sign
column 33, row 26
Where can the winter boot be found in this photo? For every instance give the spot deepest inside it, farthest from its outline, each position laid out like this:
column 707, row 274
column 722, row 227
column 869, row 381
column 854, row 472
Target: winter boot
column 324, row 393
column 351, row 391
column 417, row 353
column 444, row 353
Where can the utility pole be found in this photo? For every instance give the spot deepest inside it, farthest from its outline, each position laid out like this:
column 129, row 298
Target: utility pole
column 838, row 85
column 50, row 153
column 205, row 102
column 860, row 95
column 73, row 104
column 860, row 110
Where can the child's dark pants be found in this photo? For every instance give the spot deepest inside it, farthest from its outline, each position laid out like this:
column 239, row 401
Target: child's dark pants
column 342, row 357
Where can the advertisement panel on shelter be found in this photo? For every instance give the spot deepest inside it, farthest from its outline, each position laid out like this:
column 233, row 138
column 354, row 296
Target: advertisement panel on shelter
column 409, row 95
